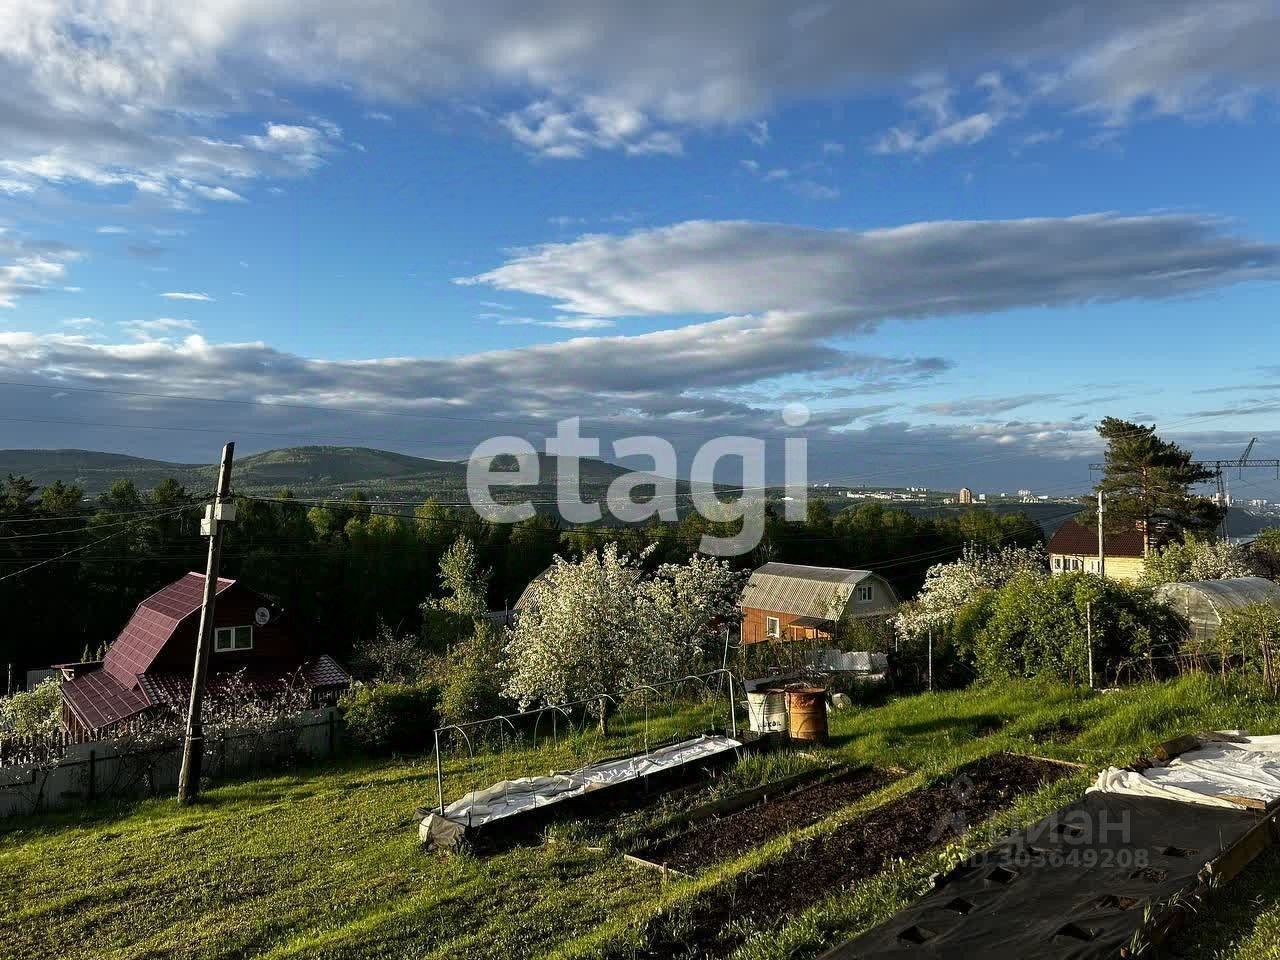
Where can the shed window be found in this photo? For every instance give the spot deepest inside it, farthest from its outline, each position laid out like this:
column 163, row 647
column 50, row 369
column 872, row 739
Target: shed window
column 232, row 638
column 864, row 593
column 1057, row 563
column 772, row 628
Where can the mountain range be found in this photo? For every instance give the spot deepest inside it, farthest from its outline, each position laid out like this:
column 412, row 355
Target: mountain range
column 306, row 471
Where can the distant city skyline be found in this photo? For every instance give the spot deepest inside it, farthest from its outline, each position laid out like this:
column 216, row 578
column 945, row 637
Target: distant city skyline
column 960, row 234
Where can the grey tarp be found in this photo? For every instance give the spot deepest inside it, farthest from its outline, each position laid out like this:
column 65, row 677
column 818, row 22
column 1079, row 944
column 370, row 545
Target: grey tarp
column 1074, row 885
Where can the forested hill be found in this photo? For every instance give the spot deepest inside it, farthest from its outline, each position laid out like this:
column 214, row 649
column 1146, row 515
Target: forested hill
column 315, row 471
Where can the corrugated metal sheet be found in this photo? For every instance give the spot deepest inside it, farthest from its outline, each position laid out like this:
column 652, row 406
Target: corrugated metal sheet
column 820, row 592
column 526, row 596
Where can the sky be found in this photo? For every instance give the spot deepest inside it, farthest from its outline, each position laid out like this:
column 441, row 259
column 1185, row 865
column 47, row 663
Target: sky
column 959, row 233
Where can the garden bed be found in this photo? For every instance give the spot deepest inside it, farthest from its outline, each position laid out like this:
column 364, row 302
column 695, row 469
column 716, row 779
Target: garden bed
column 514, row 811
column 760, row 815
column 856, row 851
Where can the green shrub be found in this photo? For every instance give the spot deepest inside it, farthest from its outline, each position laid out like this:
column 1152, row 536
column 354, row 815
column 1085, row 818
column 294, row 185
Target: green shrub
column 472, row 683
column 392, row 717
column 1038, row 627
column 33, row 713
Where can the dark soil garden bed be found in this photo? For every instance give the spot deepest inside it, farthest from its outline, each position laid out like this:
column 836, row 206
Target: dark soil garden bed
column 1063, row 730
column 723, row 838
column 905, row 828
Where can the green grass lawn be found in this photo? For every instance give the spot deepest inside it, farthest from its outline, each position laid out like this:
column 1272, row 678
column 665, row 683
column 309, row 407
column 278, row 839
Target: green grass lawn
column 325, row 862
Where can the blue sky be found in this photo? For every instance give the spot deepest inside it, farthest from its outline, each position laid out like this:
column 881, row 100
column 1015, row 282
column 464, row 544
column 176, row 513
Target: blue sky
column 959, row 233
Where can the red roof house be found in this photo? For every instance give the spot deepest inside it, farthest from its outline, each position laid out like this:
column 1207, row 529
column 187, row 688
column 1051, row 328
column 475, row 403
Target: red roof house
column 149, row 664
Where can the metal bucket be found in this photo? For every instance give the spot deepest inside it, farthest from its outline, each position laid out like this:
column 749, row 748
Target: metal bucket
column 807, row 714
column 767, row 710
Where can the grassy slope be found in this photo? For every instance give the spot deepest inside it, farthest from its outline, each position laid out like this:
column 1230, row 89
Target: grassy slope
column 324, row 863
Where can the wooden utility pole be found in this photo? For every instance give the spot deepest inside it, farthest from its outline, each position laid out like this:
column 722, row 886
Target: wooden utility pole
column 1102, row 553
column 930, row 658
column 221, row 511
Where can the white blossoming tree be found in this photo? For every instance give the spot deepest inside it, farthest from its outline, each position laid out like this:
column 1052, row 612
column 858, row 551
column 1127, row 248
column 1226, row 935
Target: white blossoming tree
column 580, row 635
column 949, row 587
column 1198, row 559
column 685, row 609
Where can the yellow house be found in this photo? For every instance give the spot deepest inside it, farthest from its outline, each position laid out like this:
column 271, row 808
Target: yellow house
column 1075, row 547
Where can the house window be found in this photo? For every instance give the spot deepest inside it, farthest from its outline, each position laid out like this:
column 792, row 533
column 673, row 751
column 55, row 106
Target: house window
column 864, row 593
column 1057, row 563
column 226, row 639
column 772, row 628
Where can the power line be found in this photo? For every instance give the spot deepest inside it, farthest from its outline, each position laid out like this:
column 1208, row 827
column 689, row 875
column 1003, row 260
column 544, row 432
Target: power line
column 86, row 546
column 96, row 527
column 84, row 515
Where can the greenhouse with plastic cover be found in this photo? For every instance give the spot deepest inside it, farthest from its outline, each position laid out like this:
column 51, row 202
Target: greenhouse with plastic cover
column 1203, row 603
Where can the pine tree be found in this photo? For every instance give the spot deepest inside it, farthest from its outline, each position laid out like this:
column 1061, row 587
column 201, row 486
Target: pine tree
column 1147, row 482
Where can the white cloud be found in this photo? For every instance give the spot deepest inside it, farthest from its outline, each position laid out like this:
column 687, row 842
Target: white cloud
column 563, row 129
column 201, row 297
column 939, row 127
column 758, row 132
column 561, row 323
column 963, row 132
column 29, row 268
column 221, row 194
column 801, row 186
column 985, row 406
column 81, row 323
column 783, row 302
column 620, row 385
column 846, row 278
column 159, row 328
column 110, row 94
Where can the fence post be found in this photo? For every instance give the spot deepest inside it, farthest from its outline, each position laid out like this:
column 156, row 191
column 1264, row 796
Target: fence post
column 439, row 775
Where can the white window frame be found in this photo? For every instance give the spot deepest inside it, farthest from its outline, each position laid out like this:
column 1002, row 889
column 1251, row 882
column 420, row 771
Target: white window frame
column 230, row 646
column 866, row 593
column 772, row 627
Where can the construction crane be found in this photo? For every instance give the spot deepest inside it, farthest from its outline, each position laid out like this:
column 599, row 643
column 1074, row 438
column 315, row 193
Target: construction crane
column 1219, row 469
column 1244, row 457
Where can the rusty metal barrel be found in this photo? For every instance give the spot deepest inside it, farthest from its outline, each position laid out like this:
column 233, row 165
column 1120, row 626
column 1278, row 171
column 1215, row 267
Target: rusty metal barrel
column 807, row 714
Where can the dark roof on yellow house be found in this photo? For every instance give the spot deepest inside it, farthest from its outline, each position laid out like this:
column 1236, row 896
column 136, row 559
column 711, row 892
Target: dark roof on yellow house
column 1075, row 539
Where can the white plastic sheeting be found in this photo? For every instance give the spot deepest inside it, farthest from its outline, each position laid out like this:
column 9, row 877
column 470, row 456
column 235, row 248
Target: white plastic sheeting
column 1209, row 775
column 511, row 797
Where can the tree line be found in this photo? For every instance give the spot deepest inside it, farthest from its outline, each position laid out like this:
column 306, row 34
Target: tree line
column 346, row 568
